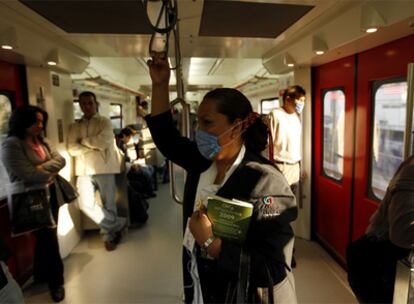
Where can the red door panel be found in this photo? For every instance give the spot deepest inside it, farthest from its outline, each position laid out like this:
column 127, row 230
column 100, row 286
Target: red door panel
column 333, row 198
column 12, row 80
column 385, row 62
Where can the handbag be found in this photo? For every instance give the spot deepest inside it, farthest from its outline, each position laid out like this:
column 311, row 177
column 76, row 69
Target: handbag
column 30, row 210
column 69, row 193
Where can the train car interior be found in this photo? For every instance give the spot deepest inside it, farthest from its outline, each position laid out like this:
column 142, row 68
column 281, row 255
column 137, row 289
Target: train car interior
column 354, row 58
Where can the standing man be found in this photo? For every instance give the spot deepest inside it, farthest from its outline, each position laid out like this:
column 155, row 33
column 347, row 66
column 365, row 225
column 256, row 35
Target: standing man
column 286, row 129
column 91, row 142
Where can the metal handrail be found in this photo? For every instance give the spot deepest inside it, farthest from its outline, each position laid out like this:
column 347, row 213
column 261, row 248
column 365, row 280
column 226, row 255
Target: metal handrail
column 185, row 122
column 185, row 131
column 408, row 132
column 403, row 292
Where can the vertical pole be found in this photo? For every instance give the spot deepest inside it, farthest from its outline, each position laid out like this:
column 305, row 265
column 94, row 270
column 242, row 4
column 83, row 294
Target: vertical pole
column 408, row 135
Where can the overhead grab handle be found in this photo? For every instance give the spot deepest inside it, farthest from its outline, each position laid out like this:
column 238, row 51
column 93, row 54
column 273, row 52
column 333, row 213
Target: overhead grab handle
column 162, row 16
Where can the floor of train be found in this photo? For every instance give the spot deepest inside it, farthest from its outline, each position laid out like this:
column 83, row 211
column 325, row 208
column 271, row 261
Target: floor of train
column 146, row 266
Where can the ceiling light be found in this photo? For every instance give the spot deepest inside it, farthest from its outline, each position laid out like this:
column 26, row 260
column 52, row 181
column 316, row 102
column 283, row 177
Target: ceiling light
column 371, row 19
column 319, row 46
column 288, row 60
column 53, row 58
column 8, row 39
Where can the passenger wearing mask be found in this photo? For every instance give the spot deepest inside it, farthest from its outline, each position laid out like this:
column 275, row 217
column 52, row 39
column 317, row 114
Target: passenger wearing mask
column 30, row 158
column 91, row 141
column 225, row 160
column 286, row 130
column 140, row 175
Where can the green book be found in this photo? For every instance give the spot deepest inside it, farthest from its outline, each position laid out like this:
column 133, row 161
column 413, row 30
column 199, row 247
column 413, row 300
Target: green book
column 230, row 218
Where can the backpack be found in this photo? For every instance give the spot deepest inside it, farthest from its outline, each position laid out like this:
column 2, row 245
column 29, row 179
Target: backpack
column 372, row 267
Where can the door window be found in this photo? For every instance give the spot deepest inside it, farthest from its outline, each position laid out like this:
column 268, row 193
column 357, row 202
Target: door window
column 5, row 112
column 389, row 104
column 333, row 133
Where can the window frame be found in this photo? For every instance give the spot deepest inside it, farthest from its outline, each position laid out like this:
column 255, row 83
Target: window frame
column 375, row 85
column 323, row 94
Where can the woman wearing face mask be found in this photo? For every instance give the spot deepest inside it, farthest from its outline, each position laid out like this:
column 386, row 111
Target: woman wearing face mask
column 225, row 160
column 30, row 159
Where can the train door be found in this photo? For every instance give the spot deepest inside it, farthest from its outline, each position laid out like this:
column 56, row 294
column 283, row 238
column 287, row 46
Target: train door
column 359, row 123
column 333, row 138
column 380, row 124
column 12, row 94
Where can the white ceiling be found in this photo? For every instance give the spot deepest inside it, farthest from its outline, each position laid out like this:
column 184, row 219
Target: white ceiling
column 229, row 60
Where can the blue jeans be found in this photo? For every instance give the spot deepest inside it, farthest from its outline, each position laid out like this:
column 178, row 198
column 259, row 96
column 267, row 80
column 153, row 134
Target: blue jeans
column 105, row 215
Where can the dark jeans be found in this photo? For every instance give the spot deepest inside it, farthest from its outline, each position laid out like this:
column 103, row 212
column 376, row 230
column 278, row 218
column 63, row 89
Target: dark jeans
column 48, row 265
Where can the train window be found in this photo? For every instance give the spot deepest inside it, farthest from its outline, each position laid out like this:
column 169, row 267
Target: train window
column 267, row 105
column 333, row 133
column 389, row 104
column 115, row 113
column 77, row 112
column 5, row 111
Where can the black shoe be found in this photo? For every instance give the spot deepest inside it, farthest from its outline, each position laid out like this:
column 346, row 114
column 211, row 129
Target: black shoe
column 57, row 294
column 110, row 245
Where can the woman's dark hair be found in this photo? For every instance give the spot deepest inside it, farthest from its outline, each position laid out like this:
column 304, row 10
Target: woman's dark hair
column 233, row 104
column 24, row 117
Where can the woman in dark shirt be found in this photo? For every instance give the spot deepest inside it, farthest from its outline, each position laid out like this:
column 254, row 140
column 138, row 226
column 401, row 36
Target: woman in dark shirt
column 30, row 159
column 225, row 160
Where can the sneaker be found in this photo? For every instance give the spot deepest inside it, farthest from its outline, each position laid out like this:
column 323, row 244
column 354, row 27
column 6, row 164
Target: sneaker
column 57, row 294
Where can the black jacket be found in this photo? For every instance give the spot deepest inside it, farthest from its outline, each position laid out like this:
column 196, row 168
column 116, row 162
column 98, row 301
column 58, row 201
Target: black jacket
column 254, row 180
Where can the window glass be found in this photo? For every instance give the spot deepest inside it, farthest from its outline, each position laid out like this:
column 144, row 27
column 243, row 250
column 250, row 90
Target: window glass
column 115, row 110
column 116, row 123
column 5, row 112
column 333, row 133
column 77, row 112
column 388, row 134
column 267, row 105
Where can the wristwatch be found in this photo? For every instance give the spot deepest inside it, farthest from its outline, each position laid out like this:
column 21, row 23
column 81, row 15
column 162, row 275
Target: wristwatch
column 208, row 242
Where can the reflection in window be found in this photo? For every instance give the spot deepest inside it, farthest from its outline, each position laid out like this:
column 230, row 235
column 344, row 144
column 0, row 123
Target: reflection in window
column 5, row 112
column 388, row 134
column 333, row 133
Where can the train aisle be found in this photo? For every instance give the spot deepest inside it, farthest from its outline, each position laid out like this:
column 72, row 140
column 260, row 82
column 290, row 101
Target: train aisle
column 146, row 267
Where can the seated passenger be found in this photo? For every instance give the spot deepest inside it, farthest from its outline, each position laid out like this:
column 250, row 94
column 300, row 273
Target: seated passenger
column 372, row 258
column 139, row 173
column 225, row 160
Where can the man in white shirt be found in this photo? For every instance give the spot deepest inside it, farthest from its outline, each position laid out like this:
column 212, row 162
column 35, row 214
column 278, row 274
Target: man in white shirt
column 91, row 142
column 286, row 130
